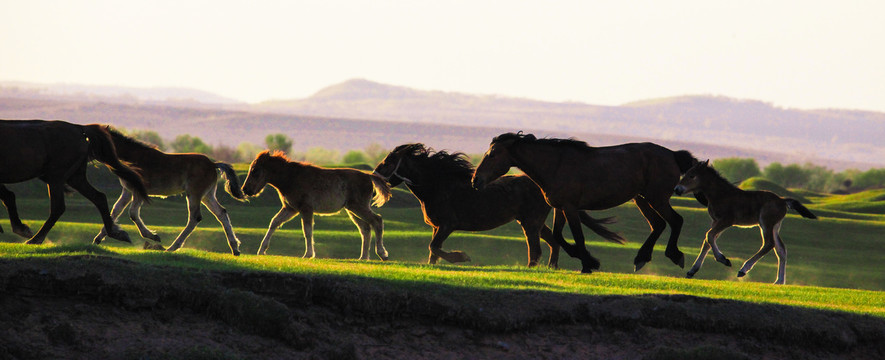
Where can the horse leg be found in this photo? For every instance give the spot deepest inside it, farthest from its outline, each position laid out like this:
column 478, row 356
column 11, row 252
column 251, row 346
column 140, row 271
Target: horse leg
column 705, row 248
column 56, row 208
column 532, row 234
column 657, row 224
column 663, row 208
column 436, row 247
column 559, row 221
column 588, row 262
column 285, row 214
column 307, row 229
column 365, row 234
column 116, row 211
column 79, row 182
column 709, row 244
column 211, row 203
column 19, row 228
column 376, row 223
column 135, row 216
column 547, row 235
column 766, row 231
column 194, row 216
column 780, row 249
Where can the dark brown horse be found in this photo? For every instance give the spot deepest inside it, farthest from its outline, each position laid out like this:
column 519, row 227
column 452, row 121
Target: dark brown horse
column 441, row 182
column 309, row 190
column 730, row 206
column 57, row 153
column 574, row 176
column 194, row 175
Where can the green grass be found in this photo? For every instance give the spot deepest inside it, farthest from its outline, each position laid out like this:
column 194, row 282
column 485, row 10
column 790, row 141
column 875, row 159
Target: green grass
column 834, row 262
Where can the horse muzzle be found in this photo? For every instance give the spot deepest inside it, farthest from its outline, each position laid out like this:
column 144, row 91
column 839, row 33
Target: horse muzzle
column 679, row 190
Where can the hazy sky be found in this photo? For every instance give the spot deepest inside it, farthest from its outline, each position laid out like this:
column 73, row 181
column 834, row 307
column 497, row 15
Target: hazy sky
column 803, row 54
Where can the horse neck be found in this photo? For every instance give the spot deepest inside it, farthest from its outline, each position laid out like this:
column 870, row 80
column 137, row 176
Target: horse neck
column 281, row 174
column 717, row 187
column 130, row 152
column 425, row 184
column 538, row 161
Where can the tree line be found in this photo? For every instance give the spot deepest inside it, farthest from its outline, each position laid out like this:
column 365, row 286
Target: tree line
column 246, row 151
column 805, row 176
column 802, row 176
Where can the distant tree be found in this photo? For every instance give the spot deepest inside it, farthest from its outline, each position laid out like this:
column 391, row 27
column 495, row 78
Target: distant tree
column 187, row 143
column 321, row 156
column 148, row 136
column 376, row 153
column 278, row 142
column 225, row 153
column 247, row 151
column 737, row 170
column 870, row 179
column 355, row 157
column 790, row 176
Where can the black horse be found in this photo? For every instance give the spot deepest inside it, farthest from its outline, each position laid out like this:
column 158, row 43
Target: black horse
column 441, row 182
column 57, row 153
column 575, row 176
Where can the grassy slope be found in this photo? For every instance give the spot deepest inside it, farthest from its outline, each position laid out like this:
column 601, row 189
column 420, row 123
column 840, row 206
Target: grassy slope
column 831, row 252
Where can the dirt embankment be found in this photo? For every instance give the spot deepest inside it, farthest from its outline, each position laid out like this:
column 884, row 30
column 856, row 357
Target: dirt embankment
column 88, row 307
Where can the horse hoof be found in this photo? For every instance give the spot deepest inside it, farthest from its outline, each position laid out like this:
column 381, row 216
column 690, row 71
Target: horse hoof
column 638, row 266
column 679, row 260
column 586, row 271
column 741, row 273
column 689, row 275
column 725, row 261
column 236, row 252
column 24, row 232
column 34, row 242
column 120, row 235
column 154, row 237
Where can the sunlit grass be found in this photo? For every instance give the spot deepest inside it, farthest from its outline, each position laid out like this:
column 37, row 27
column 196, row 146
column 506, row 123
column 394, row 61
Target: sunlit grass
column 501, row 278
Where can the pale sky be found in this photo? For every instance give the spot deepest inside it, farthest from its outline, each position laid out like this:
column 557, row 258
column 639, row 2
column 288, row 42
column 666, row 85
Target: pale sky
column 798, row 54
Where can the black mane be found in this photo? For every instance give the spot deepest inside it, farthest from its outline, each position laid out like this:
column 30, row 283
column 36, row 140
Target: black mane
column 440, row 165
column 715, row 173
column 520, row 136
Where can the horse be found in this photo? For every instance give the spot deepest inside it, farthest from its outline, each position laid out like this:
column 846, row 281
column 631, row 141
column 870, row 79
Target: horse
column 574, row 176
column 18, row 228
column 57, row 152
column 731, row 206
column 441, row 182
column 166, row 174
column 307, row 189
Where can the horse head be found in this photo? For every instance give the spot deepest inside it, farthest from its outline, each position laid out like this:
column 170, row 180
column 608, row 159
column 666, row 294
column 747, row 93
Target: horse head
column 693, row 178
column 498, row 160
column 256, row 179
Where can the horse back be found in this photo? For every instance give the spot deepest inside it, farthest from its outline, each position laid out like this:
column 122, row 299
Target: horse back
column 746, row 208
column 168, row 174
column 324, row 190
column 37, row 148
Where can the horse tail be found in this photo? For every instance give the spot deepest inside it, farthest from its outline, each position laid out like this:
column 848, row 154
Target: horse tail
column 101, row 148
column 801, row 209
column 382, row 190
column 596, row 225
column 233, row 183
column 685, row 160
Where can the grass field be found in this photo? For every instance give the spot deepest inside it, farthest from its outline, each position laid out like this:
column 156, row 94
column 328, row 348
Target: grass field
column 834, row 263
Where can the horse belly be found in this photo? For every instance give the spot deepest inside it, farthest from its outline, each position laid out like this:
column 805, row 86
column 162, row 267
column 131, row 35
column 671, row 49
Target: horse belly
column 328, row 205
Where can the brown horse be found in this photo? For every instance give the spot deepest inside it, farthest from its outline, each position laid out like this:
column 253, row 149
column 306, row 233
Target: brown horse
column 309, row 190
column 57, row 153
column 441, row 182
column 574, row 176
column 730, row 206
column 19, row 228
column 194, row 175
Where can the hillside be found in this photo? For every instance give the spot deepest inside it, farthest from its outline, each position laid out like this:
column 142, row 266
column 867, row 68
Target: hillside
column 852, row 136
column 356, row 113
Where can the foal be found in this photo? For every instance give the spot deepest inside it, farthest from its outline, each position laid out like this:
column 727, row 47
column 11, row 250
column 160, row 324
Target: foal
column 165, row 174
column 731, row 206
column 309, row 190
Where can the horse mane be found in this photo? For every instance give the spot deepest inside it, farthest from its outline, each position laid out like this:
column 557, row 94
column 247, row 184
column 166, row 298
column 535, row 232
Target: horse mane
column 277, row 155
column 716, row 175
column 126, row 140
column 441, row 163
column 521, row 137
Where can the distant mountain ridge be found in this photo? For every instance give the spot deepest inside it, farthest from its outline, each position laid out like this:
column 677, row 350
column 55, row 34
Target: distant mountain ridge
column 112, row 93
column 357, row 112
column 846, row 135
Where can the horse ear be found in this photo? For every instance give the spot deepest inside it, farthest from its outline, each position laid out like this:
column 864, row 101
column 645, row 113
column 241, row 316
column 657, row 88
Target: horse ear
column 706, row 162
column 530, row 137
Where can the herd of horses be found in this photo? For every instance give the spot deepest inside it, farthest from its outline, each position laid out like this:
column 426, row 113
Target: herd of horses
column 566, row 176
